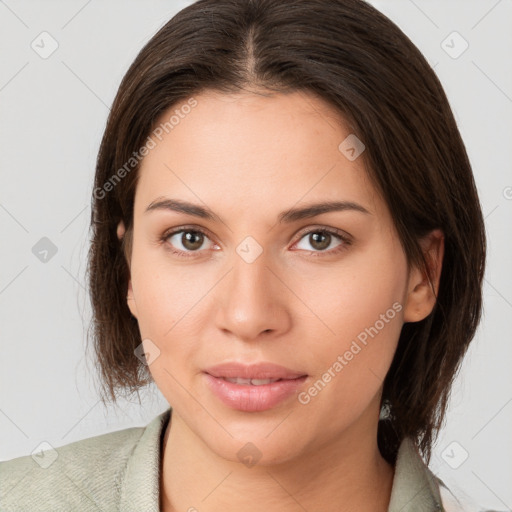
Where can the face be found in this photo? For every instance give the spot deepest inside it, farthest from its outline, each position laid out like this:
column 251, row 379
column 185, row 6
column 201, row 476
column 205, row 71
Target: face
column 300, row 309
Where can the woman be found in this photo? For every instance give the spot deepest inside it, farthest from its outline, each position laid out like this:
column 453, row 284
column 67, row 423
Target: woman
column 287, row 239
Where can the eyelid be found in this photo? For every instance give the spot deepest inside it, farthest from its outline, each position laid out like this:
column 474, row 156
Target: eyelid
column 319, row 228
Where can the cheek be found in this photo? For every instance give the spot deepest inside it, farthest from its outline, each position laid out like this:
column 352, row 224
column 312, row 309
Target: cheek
column 352, row 296
column 361, row 309
column 153, row 295
column 161, row 289
column 165, row 298
column 170, row 300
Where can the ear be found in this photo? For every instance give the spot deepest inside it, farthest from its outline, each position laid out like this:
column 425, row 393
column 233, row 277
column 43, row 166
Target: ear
column 421, row 298
column 121, row 230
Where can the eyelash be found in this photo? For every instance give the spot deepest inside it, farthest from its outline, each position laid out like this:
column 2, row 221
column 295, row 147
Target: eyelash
column 346, row 241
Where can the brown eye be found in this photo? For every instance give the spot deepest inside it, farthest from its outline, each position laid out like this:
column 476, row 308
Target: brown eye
column 319, row 240
column 186, row 240
column 192, row 240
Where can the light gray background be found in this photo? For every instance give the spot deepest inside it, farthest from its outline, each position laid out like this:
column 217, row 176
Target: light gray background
column 53, row 113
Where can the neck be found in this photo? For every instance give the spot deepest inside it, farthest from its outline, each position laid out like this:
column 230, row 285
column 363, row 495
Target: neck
column 348, row 476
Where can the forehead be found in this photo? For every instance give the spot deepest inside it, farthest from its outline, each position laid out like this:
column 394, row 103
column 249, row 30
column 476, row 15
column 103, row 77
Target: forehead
column 247, row 148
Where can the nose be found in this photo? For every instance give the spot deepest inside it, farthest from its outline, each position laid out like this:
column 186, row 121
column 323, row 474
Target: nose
column 252, row 301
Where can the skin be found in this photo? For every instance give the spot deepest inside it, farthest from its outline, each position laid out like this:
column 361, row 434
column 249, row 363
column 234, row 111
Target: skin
column 249, row 157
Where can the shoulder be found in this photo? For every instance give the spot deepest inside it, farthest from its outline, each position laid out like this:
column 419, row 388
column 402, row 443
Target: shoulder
column 83, row 475
column 82, row 471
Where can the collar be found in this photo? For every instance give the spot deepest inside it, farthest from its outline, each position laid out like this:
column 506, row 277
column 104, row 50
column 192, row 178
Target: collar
column 141, row 483
column 415, row 488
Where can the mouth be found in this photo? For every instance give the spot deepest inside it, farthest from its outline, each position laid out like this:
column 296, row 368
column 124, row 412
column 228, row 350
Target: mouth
column 252, row 382
column 253, row 388
column 253, row 373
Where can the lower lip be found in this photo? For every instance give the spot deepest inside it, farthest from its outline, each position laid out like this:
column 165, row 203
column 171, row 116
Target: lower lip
column 251, row 398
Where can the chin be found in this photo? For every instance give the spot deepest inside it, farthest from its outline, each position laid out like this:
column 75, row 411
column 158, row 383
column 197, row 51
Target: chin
column 257, row 446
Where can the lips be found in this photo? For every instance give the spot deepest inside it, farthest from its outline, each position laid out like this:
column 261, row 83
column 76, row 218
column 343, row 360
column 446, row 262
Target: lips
column 253, row 388
column 253, row 371
column 251, row 382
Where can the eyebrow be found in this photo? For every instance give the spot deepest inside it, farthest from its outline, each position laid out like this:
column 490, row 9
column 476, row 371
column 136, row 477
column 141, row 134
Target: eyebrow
column 288, row 216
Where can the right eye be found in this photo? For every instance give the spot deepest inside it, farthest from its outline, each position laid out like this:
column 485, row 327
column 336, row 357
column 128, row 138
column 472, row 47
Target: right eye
column 184, row 241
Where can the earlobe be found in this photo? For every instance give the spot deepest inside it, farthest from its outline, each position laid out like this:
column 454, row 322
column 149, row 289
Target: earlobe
column 422, row 292
column 131, row 300
column 120, row 230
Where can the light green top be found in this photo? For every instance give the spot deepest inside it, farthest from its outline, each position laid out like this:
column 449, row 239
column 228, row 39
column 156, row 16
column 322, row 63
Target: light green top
column 120, row 471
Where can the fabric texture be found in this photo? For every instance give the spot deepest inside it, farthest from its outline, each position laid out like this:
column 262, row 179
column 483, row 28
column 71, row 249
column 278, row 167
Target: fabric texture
column 120, row 471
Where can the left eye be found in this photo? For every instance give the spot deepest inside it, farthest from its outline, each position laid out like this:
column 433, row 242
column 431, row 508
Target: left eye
column 320, row 240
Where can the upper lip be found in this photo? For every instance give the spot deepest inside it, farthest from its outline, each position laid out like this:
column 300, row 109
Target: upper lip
column 262, row 370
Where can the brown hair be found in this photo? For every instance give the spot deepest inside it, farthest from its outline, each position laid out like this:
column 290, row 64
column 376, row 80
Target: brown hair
column 366, row 68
